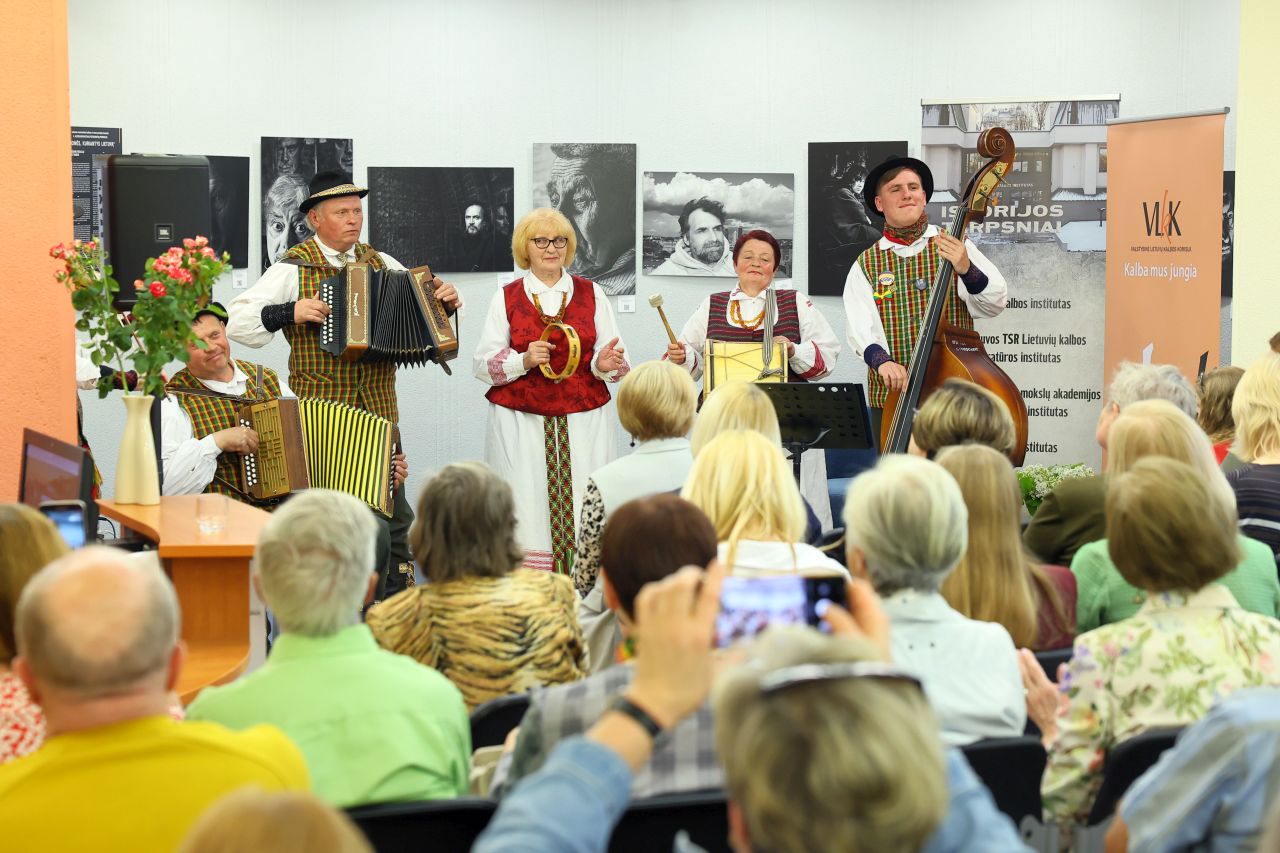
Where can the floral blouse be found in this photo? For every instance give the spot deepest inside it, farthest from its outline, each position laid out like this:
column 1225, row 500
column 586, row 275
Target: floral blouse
column 1163, row 667
column 21, row 720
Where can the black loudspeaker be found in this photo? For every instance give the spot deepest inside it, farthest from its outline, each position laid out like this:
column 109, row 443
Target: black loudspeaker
column 149, row 203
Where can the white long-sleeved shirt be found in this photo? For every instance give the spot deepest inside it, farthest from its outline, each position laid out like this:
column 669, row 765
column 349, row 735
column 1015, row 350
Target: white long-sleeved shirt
column 862, row 319
column 495, row 362
column 189, row 463
column 815, row 355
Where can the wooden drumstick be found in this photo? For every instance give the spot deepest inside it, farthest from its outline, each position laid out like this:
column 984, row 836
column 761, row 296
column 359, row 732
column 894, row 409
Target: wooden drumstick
column 656, row 302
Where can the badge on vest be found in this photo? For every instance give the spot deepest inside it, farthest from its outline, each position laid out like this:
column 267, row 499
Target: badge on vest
column 884, row 287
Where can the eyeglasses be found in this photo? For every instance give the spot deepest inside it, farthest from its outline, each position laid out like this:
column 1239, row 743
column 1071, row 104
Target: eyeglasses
column 809, row 673
column 543, row 242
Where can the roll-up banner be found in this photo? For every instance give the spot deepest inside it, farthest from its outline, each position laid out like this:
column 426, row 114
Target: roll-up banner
column 1164, row 242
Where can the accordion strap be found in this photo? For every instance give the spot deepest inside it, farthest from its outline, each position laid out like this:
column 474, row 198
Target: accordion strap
column 299, row 262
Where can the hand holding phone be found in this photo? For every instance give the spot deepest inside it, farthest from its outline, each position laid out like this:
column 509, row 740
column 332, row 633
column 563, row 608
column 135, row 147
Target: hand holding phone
column 748, row 605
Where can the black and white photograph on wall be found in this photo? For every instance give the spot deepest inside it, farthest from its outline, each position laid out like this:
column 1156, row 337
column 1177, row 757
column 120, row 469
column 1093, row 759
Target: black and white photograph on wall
column 229, row 196
column 594, row 185
column 1228, row 229
column 452, row 219
column 288, row 165
column 840, row 226
column 691, row 219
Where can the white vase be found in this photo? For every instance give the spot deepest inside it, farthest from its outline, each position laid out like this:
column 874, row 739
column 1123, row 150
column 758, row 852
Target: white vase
column 137, row 480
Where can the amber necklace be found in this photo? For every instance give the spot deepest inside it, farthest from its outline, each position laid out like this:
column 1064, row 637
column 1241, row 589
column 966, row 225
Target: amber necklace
column 547, row 318
column 735, row 314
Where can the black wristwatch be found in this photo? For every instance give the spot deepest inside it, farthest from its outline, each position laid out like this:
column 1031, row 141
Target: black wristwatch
column 623, row 705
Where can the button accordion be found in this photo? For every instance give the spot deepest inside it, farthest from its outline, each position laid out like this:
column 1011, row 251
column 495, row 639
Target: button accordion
column 386, row 315
column 319, row 444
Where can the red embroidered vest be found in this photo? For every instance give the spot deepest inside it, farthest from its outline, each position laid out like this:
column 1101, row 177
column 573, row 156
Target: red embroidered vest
column 787, row 324
column 534, row 393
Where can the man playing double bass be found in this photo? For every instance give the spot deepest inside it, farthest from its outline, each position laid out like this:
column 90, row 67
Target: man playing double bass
column 887, row 290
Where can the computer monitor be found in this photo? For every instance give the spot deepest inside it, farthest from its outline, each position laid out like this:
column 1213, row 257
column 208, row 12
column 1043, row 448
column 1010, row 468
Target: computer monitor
column 54, row 470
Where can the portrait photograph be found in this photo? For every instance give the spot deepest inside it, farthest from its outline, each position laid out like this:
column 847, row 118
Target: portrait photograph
column 229, row 198
column 288, row 165
column 691, row 219
column 453, row 219
column 594, row 185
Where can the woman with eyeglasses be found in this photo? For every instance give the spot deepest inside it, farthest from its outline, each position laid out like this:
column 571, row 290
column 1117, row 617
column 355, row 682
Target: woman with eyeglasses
column 549, row 344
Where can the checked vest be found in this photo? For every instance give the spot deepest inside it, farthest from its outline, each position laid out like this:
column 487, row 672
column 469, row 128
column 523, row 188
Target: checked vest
column 210, row 414
column 901, row 302
column 787, row 323
column 315, row 373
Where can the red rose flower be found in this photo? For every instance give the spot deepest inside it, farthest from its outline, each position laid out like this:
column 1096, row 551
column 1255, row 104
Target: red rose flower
column 158, row 289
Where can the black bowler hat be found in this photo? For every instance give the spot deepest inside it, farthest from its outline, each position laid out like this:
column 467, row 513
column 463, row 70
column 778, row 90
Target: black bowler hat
column 330, row 185
column 214, row 309
column 871, row 188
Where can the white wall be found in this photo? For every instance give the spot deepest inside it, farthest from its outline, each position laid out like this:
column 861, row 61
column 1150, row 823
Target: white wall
column 724, row 85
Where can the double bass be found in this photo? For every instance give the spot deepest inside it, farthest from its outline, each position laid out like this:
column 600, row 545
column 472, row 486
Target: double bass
column 942, row 350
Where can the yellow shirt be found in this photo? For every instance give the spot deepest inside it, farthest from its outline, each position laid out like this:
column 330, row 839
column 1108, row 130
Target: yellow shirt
column 136, row 786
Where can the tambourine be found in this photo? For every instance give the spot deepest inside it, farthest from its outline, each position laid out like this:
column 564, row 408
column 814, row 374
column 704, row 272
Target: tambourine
column 575, row 352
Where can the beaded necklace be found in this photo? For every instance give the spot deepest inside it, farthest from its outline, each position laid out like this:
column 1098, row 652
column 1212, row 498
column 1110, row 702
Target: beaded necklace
column 735, row 314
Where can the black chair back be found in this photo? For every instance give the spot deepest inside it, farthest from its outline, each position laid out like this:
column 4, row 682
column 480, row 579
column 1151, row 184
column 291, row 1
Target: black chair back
column 651, row 824
column 1011, row 768
column 494, row 720
column 1125, row 763
column 1050, row 661
column 435, row 825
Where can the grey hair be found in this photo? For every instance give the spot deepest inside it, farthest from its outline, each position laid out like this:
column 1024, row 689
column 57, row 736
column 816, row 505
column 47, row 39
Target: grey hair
column 64, row 655
column 908, row 517
column 1133, row 382
column 314, row 559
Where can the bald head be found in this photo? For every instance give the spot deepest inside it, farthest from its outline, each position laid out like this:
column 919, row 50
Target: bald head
column 95, row 624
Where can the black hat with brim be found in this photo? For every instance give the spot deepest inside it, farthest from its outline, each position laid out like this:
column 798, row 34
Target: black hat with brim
column 213, row 309
column 328, row 185
column 871, row 188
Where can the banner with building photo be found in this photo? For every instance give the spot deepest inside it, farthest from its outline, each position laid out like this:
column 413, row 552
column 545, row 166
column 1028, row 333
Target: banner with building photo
column 1047, row 234
column 1164, row 256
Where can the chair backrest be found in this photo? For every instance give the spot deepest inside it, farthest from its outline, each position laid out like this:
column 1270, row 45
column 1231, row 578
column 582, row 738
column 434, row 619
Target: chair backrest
column 651, row 824
column 438, row 825
column 1011, row 768
column 1049, row 661
column 494, row 720
column 1125, row 763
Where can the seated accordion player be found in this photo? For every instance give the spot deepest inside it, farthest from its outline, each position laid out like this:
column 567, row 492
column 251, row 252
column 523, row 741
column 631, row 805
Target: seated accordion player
column 386, row 315
column 321, row 444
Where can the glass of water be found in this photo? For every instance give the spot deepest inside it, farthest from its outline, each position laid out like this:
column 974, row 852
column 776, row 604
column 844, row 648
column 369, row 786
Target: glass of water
column 211, row 513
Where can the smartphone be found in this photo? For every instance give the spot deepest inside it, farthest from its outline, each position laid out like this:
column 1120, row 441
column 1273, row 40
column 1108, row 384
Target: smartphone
column 68, row 517
column 749, row 605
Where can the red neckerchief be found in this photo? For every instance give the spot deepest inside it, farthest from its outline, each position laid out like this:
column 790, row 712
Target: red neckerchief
column 908, row 235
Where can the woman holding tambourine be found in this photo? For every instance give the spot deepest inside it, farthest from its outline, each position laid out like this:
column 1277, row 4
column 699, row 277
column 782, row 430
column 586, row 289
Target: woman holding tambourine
column 549, row 344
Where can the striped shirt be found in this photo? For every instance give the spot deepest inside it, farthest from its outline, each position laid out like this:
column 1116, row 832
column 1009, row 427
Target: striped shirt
column 1257, row 489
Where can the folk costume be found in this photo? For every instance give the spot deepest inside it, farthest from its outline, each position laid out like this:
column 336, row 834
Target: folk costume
column 546, row 437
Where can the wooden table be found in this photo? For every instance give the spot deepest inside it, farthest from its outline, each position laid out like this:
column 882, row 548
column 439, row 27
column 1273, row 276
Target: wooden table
column 211, row 575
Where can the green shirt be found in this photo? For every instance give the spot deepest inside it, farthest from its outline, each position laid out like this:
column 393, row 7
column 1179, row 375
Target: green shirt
column 1103, row 596
column 374, row 726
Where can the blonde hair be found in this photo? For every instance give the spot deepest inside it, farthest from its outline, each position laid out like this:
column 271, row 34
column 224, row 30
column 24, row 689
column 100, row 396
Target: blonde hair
column 1216, row 389
column 280, row 821
column 1256, row 408
column 465, row 525
column 735, row 405
column 529, row 223
column 657, row 400
column 743, row 483
column 28, row 542
column 961, row 412
column 852, row 764
column 996, row 581
column 1159, row 428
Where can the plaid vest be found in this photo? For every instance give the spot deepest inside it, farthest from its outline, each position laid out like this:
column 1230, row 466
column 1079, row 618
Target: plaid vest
column 210, row 414
column 315, row 373
column 787, row 323
column 901, row 300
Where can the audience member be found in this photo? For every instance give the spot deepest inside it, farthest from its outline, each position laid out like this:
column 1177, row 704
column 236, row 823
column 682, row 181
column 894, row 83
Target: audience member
column 960, row 412
column 996, row 580
column 98, row 649
column 1256, row 409
column 281, row 822
column 1215, row 390
column 492, row 628
column 744, row 484
column 907, row 528
column 374, row 726
column 1190, row 645
column 28, row 542
column 1072, row 515
column 656, row 404
column 1158, row 428
column 644, row 541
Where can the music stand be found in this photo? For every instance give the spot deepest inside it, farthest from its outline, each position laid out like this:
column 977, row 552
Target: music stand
column 822, row 415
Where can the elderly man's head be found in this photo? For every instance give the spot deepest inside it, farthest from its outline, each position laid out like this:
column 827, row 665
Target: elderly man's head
column 1134, row 382
column 906, row 523
column 593, row 185
column 314, row 563
column 474, row 220
column 96, row 625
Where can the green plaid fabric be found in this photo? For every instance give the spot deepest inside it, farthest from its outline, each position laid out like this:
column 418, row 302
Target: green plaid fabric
column 315, row 373
column 559, row 491
column 902, row 303
column 210, row 414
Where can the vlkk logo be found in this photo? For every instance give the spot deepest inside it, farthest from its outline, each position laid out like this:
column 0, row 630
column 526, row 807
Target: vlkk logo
column 1162, row 217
